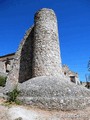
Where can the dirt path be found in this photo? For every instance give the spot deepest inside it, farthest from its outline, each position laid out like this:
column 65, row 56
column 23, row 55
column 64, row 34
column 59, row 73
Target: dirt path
column 12, row 112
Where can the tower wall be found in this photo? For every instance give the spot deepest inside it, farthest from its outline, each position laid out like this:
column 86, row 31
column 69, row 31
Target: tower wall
column 22, row 65
column 39, row 52
column 46, row 51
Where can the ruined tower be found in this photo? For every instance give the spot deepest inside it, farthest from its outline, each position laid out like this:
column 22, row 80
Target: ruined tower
column 39, row 52
column 46, row 52
column 38, row 60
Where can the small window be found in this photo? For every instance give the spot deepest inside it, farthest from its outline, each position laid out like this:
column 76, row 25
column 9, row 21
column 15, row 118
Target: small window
column 64, row 73
column 72, row 78
column 7, row 63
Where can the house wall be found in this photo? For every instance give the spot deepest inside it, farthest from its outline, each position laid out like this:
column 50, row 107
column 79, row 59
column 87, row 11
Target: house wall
column 67, row 72
column 3, row 60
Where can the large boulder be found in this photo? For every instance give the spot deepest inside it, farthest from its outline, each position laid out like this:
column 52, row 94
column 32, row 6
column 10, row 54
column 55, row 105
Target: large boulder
column 53, row 93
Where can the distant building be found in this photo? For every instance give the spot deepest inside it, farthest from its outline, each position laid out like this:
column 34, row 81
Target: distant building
column 72, row 75
column 6, row 62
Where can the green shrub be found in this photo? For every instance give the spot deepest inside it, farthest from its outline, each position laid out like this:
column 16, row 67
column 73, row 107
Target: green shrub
column 12, row 96
column 2, row 81
column 18, row 118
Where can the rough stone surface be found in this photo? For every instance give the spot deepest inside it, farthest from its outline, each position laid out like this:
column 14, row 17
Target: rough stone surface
column 15, row 112
column 3, row 60
column 38, row 56
column 22, row 66
column 53, row 93
column 3, row 74
column 38, row 53
column 46, row 58
column 73, row 76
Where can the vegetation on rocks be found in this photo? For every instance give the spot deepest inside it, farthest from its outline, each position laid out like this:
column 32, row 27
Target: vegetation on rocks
column 2, row 81
column 12, row 96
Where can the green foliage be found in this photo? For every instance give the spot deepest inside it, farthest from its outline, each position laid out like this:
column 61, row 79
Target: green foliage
column 87, row 85
column 18, row 102
column 88, row 66
column 18, row 118
column 2, row 81
column 12, row 96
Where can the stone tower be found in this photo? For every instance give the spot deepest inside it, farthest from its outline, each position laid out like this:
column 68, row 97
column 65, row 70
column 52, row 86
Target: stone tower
column 39, row 52
column 46, row 52
column 38, row 60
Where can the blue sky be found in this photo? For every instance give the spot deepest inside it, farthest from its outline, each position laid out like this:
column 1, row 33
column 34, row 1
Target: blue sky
column 16, row 16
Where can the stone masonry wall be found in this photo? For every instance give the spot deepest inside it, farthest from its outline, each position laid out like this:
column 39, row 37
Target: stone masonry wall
column 3, row 60
column 46, row 58
column 2, row 67
column 39, row 52
column 22, row 65
column 25, row 67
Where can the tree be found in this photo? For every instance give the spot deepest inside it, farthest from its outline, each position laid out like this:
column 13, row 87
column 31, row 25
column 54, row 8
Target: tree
column 88, row 76
column 88, row 66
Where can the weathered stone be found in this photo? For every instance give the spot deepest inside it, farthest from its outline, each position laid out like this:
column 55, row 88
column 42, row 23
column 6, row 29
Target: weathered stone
column 53, row 93
column 46, row 58
column 22, row 65
column 39, row 52
column 37, row 70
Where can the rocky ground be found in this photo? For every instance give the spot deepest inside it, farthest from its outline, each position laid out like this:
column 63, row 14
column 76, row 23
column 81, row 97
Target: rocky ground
column 47, row 98
column 53, row 93
column 20, row 112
